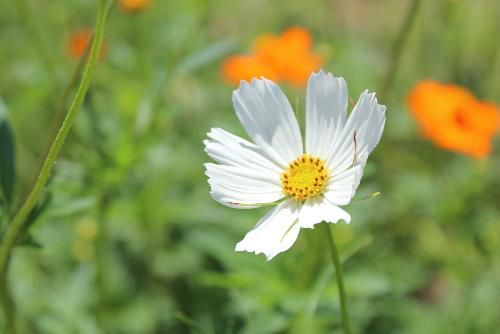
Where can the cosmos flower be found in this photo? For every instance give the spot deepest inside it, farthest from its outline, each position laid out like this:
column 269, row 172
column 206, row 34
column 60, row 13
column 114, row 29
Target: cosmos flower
column 453, row 118
column 78, row 42
column 134, row 5
column 237, row 68
column 288, row 57
column 307, row 184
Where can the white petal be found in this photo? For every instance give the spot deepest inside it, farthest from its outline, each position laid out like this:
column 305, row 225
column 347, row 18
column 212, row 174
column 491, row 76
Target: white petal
column 326, row 112
column 267, row 116
column 275, row 233
column 360, row 135
column 232, row 150
column 242, row 188
column 318, row 209
column 341, row 188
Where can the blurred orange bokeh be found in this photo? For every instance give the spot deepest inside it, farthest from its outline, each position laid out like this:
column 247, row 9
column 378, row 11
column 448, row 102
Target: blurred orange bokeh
column 454, row 119
column 134, row 5
column 78, row 42
column 288, row 57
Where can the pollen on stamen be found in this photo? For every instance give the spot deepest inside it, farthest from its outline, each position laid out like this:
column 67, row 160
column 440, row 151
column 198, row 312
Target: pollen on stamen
column 305, row 177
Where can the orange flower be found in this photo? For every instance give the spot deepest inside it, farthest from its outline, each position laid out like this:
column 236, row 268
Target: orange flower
column 134, row 5
column 78, row 42
column 288, row 57
column 453, row 118
column 238, row 68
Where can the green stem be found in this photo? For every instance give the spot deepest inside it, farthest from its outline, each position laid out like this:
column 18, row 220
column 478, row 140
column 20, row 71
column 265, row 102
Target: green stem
column 8, row 307
column 397, row 50
column 15, row 227
column 344, row 307
column 59, row 116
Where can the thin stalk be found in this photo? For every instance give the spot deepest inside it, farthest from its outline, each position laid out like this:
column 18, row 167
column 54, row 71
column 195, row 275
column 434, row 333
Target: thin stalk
column 397, row 49
column 344, row 305
column 15, row 227
column 8, row 307
column 57, row 119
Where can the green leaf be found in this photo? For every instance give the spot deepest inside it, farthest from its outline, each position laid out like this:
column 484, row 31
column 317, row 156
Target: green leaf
column 206, row 56
column 37, row 211
column 28, row 241
column 7, row 157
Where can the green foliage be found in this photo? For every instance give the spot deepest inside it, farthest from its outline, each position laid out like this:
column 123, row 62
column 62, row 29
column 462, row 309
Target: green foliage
column 7, row 158
column 133, row 243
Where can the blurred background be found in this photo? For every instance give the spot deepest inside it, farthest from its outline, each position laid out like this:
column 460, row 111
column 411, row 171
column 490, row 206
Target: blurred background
column 128, row 240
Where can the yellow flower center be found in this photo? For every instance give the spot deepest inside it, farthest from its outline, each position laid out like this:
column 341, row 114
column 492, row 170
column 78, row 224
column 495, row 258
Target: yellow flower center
column 305, row 177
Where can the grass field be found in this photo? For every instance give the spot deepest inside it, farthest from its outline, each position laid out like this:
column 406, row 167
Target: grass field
column 125, row 237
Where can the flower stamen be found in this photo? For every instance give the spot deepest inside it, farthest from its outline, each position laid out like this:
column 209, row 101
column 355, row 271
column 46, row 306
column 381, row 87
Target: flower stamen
column 305, row 177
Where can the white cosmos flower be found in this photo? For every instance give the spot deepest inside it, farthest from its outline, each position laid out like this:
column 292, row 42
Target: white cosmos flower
column 310, row 183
